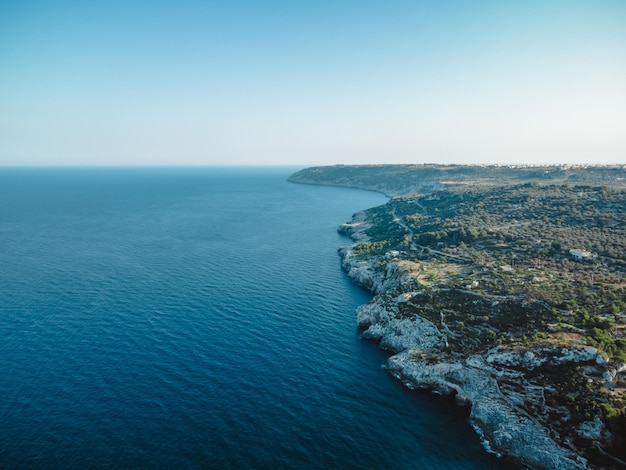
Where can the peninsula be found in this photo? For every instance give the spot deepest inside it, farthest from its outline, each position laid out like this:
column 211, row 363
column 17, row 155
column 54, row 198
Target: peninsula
column 504, row 287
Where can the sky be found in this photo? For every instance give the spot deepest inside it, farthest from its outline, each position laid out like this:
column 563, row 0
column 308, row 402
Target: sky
column 312, row 83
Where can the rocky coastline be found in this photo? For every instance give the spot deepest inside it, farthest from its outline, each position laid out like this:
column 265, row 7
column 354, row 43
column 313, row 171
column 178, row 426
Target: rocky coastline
column 508, row 410
column 504, row 288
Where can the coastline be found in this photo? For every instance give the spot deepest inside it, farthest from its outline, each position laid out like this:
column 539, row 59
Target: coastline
column 515, row 388
column 417, row 365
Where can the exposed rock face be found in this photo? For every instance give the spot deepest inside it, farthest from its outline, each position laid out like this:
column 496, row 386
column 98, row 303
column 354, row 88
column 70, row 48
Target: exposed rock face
column 357, row 228
column 508, row 409
column 477, row 298
column 473, row 382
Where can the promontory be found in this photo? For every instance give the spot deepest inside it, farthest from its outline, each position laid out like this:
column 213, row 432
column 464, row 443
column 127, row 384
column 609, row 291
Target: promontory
column 504, row 287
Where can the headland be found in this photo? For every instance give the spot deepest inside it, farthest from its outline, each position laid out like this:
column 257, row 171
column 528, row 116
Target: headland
column 504, row 287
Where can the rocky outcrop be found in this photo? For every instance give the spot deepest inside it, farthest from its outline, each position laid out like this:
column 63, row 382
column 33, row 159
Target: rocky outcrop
column 476, row 302
column 508, row 407
column 499, row 420
column 357, row 228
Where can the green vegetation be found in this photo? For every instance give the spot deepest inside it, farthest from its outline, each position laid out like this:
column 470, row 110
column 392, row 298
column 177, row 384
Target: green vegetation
column 368, row 248
column 609, row 411
column 494, row 263
column 526, row 259
column 518, row 240
column 396, row 180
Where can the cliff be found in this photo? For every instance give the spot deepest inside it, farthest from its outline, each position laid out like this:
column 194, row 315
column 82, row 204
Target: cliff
column 478, row 296
column 510, row 389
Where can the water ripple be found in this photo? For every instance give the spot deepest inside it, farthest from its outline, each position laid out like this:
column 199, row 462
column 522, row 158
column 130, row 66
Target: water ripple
column 200, row 320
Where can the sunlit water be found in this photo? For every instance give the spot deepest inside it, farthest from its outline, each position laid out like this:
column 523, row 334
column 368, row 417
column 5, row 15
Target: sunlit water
column 196, row 318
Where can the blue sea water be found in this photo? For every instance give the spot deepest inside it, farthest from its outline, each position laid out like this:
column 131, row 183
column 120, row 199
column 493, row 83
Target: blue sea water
column 196, row 318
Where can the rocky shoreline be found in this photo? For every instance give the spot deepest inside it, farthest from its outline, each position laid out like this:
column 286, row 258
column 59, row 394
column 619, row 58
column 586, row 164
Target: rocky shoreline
column 504, row 287
column 508, row 407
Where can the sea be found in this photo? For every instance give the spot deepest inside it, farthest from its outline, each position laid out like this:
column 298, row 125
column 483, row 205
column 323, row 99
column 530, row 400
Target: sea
column 197, row 318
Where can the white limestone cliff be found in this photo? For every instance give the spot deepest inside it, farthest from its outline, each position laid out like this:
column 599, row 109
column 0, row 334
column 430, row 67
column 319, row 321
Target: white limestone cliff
column 500, row 418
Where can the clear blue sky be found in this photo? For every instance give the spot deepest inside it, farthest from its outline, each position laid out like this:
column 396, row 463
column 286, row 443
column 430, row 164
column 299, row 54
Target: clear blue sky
column 307, row 83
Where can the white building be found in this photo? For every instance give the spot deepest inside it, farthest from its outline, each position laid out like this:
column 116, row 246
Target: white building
column 581, row 255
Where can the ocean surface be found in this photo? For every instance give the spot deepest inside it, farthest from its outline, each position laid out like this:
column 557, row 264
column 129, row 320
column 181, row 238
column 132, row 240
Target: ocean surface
column 197, row 318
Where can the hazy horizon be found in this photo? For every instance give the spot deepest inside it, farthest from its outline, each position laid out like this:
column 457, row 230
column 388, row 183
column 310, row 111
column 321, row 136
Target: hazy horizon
column 270, row 84
column 294, row 167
